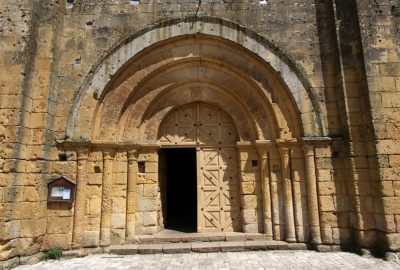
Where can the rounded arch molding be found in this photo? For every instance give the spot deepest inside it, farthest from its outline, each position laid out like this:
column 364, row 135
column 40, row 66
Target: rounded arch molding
column 103, row 74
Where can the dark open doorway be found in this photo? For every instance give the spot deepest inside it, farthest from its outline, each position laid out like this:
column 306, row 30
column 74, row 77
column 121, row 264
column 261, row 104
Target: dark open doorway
column 179, row 189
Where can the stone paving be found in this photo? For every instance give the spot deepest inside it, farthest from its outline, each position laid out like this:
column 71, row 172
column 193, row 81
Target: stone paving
column 290, row 260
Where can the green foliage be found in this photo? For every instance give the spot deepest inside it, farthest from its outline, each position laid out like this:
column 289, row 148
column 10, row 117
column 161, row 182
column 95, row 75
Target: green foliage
column 52, row 254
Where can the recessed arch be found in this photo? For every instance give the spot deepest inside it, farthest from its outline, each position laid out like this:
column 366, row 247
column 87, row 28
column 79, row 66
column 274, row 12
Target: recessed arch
column 87, row 107
column 205, row 92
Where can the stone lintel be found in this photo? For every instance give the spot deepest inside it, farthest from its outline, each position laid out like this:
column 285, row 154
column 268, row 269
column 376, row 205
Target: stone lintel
column 80, row 143
column 319, row 140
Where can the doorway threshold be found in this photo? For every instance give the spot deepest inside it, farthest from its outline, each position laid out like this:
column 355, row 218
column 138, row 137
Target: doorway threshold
column 173, row 236
column 170, row 241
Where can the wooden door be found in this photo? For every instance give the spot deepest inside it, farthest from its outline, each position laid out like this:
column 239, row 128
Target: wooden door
column 218, row 190
column 213, row 132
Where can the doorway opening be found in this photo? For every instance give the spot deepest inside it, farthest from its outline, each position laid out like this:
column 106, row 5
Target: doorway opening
column 179, row 188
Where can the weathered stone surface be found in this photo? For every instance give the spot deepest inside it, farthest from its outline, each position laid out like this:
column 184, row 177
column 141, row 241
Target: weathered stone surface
column 83, row 81
column 150, row 218
column 232, row 246
column 62, row 241
column 256, row 245
column 124, row 249
column 33, row 259
column 259, row 259
column 10, row 264
column 206, row 247
column 177, row 248
column 91, row 238
column 150, row 249
column 73, row 253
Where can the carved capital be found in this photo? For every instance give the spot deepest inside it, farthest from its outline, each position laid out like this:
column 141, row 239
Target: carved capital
column 308, row 149
column 133, row 154
column 263, row 148
column 262, row 153
column 284, row 153
column 108, row 154
column 82, row 153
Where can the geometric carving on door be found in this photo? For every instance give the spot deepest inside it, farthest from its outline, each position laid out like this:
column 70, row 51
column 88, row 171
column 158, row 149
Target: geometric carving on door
column 197, row 123
column 218, row 190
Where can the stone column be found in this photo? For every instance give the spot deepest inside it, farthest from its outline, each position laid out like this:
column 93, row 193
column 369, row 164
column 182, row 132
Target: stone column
column 265, row 192
column 275, row 187
column 105, row 222
column 288, row 196
column 312, row 194
column 80, row 198
column 297, row 183
column 131, row 194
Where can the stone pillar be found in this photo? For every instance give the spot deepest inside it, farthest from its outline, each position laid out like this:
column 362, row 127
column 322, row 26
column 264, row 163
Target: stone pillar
column 298, row 181
column 80, row 198
column 265, row 190
column 249, row 175
column 276, row 192
column 105, row 222
column 312, row 194
column 131, row 194
column 288, row 196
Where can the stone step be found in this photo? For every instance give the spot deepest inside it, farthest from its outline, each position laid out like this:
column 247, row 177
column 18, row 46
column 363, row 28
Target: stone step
column 213, row 246
column 171, row 237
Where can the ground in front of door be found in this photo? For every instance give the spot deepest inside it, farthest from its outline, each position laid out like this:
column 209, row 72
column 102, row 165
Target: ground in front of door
column 303, row 260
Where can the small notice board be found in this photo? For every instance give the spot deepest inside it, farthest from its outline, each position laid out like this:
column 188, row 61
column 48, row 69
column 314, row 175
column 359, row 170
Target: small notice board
column 61, row 189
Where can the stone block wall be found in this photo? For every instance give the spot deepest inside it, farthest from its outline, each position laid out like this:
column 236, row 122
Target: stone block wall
column 250, row 190
column 382, row 71
column 148, row 195
column 346, row 53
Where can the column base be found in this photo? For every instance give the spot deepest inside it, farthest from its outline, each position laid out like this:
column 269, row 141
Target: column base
column 291, row 240
column 105, row 237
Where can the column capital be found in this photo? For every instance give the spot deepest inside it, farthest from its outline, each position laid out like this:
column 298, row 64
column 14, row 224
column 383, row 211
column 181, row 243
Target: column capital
column 286, row 143
column 82, row 153
column 133, row 154
column 308, row 149
column 108, row 154
column 284, row 152
column 262, row 148
column 262, row 153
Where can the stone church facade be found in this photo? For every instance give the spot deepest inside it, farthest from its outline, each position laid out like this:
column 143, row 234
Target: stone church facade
column 282, row 116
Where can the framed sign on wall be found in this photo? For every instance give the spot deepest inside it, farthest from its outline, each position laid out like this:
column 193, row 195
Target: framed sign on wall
column 61, row 189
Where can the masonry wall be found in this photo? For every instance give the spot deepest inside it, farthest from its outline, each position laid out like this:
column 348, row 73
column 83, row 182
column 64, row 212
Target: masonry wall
column 47, row 48
column 382, row 70
column 28, row 33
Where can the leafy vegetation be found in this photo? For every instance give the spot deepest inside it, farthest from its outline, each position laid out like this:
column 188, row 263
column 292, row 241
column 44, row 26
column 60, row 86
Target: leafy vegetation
column 52, row 254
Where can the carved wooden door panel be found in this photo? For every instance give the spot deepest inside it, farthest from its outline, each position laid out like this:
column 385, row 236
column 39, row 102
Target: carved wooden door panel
column 180, row 126
column 218, row 190
column 210, row 128
column 197, row 123
column 215, row 126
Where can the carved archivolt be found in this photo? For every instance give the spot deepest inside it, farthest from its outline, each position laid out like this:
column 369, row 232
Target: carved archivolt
column 116, row 102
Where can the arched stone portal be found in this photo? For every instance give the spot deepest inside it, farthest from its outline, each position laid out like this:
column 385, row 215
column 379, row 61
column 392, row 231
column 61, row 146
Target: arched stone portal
column 214, row 135
column 245, row 108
